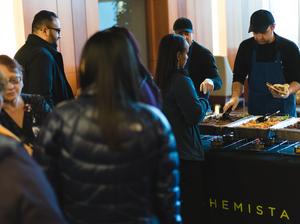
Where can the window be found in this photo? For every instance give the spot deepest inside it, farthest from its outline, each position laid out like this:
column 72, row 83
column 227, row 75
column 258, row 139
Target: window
column 130, row 14
column 286, row 16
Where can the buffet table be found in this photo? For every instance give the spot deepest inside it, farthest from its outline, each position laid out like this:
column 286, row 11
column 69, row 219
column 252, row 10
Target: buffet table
column 252, row 180
column 252, row 187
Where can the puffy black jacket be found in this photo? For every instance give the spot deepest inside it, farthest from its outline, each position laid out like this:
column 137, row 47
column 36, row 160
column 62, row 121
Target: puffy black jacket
column 26, row 195
column 136, row 182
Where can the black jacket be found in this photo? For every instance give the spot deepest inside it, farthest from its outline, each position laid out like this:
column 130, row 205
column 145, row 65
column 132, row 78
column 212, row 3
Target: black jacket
column 131, row 183
column 184, row 109
column 201, row 64
column 43, row 70
column 26, row 196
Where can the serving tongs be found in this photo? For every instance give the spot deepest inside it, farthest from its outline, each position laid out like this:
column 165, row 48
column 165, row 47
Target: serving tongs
column 225, row 115
column 266, row 117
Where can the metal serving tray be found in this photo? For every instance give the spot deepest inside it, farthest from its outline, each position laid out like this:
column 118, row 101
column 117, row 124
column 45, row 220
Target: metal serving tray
column 252, row 132
column 213, row 125
column 282, row 130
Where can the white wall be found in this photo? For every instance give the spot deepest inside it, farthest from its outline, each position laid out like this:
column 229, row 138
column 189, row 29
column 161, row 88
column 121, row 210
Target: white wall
column 12, row 26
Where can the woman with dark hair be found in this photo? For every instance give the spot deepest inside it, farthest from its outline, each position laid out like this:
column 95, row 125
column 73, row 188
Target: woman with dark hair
column 149, row 92
column 184, row 109
column 22, row 114
column 110, row 158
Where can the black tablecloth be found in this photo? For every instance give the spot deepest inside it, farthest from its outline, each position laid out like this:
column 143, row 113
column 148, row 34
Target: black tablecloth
column 250, row 187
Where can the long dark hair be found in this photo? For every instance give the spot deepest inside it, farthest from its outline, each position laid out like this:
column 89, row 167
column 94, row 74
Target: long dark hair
column 145, row 75
column 167, row 58
column 108, row 67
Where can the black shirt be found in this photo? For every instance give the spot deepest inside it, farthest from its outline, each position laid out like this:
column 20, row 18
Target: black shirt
column 201, row 64
column 288, row 50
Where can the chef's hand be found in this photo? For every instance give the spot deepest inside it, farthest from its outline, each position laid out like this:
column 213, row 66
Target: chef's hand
column 207, row 86
column 233, row 103
column 281, row 95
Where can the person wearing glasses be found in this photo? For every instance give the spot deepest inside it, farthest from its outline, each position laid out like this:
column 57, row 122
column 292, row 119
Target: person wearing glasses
column 266, row 58
column 26, row 195
column 43, row 64
column 22, row 114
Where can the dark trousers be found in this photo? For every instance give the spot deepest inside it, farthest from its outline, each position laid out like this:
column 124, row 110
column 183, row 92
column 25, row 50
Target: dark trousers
column 194, row 208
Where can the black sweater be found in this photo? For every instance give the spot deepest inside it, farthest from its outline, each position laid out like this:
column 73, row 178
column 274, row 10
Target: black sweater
column 201, row 64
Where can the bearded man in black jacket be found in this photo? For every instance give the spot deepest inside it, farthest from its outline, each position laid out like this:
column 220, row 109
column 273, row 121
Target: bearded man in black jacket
column 201, row 63
column 43, row 64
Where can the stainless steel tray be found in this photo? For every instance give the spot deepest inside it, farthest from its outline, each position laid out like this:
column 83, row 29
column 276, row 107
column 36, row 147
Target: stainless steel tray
column 217, row 127
column 252, row 132
column 283, row 132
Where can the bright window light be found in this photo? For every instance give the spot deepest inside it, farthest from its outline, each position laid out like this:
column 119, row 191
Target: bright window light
column 286, row 14
column 107, row 14
column 11, row 23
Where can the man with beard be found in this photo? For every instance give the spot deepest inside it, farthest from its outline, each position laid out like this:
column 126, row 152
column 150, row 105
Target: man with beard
column 43, row 64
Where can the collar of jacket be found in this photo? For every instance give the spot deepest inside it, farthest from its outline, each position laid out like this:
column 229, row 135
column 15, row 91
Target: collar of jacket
column 36, row 40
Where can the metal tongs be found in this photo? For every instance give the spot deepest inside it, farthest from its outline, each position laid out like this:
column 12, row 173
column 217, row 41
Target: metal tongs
column 225, row 115
column 266, row 117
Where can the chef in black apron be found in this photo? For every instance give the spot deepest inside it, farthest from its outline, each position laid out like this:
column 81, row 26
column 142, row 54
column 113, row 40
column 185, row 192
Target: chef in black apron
column 264, row 67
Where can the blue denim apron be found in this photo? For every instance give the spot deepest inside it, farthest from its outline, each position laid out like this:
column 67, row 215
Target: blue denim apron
column 261, row 100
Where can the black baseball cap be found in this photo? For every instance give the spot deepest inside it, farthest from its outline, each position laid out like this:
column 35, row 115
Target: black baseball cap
column 183, row 25
column 260, row 21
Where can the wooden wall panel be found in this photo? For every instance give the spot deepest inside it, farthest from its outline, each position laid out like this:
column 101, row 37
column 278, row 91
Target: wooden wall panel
column 92, row 16
column 163, row 13
column 31, row 7
column 67, row 43
column 157, row 27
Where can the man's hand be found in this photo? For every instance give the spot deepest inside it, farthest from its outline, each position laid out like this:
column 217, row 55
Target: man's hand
column 207, row 86
column 233, row 103
column 276, row 94
column 279, row 90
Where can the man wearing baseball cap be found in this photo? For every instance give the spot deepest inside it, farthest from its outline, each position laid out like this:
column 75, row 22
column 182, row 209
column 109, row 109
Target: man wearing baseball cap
column 266, row 58
column 201, row 63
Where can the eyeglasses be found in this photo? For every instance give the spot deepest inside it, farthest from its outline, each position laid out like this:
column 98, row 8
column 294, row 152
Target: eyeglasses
column 15, row 80
column 56, row 29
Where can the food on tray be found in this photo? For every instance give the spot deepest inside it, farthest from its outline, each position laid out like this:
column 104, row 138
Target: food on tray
column 266, row 124
column 219, row 120
column 297, row 149
column 279, row 88
column 294, row 126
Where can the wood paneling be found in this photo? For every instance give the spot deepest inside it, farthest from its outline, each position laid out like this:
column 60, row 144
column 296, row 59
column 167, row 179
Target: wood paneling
column 157, row 27
column 92, row 16
column 67, row 43
column 31, row 7
column 161, row 15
